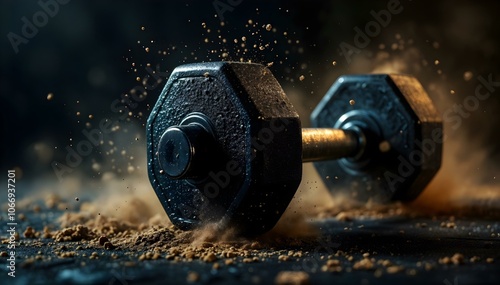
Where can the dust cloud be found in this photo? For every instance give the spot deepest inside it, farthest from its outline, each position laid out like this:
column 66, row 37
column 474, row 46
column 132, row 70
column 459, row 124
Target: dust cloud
column 467, row 179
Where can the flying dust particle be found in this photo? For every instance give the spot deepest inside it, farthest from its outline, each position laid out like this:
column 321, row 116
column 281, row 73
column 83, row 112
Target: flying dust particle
column 384, row 146
column 334, row 63
column 193, row 277
column 436, row 62
column 143, row 28
column 96, row 166
column 50, row 96
column 468, row 75
column 452, row 91
column 302, row 77
column 292, row 277
column 352, row 102
column 269, row 27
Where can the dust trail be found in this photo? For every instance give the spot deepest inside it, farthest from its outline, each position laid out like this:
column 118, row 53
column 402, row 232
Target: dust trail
column 121, row 188
column 467, row 179
column 460, row 183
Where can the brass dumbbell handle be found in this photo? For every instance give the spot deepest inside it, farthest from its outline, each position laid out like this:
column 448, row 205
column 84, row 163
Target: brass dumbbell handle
column 328, row 144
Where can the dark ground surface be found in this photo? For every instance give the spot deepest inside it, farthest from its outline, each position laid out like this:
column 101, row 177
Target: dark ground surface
column 401, row 240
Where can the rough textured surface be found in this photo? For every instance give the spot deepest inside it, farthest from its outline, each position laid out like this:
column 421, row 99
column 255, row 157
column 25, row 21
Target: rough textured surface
column 403, row 135
column 258, row 131
column 381, row 246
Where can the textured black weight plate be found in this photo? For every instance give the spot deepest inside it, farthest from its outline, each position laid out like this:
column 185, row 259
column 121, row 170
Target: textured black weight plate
column 403, row 137
column 259, row 157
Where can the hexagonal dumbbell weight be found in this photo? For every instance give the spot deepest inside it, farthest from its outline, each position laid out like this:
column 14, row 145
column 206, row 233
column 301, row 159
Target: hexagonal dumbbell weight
column 225, row 145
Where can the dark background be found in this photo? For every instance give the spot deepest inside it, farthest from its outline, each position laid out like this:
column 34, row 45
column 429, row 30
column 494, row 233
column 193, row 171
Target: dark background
column 84, row 56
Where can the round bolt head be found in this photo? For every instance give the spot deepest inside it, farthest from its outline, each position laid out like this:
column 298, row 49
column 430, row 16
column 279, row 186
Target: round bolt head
column 257, row 167
column 401, row 131
column 174, row 152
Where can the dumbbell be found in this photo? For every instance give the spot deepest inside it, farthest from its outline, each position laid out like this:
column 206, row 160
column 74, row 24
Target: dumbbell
column 225, row 145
